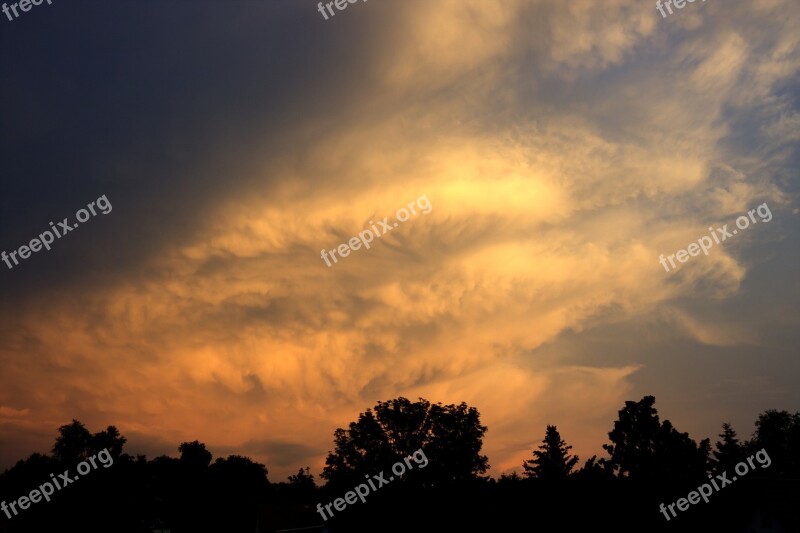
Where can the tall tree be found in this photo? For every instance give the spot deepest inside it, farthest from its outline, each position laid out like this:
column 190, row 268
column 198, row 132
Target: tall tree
column 729, row 451
column 451, row 437
column 73, row 444
column 778, row 433
column 643, row 448
column 552, row 460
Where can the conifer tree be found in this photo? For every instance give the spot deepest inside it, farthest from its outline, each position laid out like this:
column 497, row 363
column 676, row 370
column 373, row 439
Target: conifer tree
column 552, row 459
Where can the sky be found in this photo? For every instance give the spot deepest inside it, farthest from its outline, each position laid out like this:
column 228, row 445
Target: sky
column 562, row 148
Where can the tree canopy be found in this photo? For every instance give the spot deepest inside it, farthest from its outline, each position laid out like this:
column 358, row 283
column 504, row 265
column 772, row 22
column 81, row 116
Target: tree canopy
column 74, row 442
column 451, row 435
column 643, row 448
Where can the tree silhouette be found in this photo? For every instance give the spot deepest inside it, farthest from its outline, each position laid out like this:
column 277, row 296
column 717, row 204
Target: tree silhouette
column 552, row 460
column 110, row 440
column 450, row 435
column 241, row 472
column 73, row 444
column 236, row 484
column 301, row 487
column 633, row 438
column 509, row 479
column 195, row 455
column 778, row 432
column 233, row 494
column 303, row 479
column 594, row 470
column 678, row 456
column 642, row 448
column 729, row 451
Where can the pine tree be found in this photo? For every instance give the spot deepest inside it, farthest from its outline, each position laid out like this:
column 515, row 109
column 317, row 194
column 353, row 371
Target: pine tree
column 552, row 459
column 729, row 451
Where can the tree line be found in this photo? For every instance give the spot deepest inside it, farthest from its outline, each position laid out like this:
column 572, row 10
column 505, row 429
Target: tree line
column 648, row 462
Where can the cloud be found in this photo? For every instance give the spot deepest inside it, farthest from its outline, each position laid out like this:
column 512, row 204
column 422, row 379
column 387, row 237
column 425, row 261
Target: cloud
column 9, row 413
column 281, row 454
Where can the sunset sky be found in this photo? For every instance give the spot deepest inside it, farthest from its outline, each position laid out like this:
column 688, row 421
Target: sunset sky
column 563, row 146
